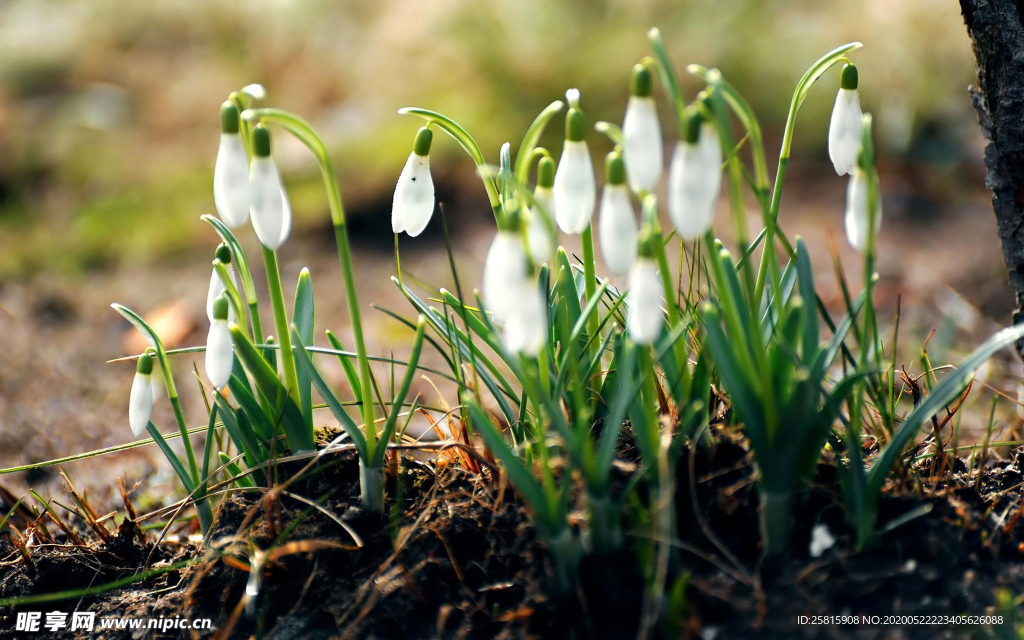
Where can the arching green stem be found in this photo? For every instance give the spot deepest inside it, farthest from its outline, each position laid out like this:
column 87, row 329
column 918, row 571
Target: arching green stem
column 304, row 132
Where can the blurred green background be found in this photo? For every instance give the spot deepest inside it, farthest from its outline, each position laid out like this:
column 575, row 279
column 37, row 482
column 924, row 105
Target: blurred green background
column 109, row 108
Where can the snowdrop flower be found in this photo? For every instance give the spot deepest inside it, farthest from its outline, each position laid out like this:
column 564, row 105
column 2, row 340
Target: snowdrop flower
column 231, row 172
column 414, row 195
column 695, row 177
column 140, row 402
column 574, row 190
column 255, row 90
column 644, row 319
column 526, row 327
column 538, row 233
column 641, row 133
column 223, row 256
column 857, row 217
column 617, row 221
column 505, row 272
column 219, row 352
column 844, row 130
column 268, row 202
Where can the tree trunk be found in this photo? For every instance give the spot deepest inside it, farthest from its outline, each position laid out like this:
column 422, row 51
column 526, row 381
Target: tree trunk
column 996, row 30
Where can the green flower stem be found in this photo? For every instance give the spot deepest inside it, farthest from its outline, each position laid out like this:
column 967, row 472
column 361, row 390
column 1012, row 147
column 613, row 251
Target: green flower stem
column 776, row 521
column 291, row 379
column 233, row 296
column 590, row 287
column 304, row 132
column 667, row 74
column 179, row 416
column 799, row 95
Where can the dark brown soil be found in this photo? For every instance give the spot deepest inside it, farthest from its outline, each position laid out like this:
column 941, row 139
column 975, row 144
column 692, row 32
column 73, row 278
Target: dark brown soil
column 457, row 557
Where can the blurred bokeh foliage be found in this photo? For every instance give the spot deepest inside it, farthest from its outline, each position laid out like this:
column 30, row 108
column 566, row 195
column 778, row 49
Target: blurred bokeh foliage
column 109, row 108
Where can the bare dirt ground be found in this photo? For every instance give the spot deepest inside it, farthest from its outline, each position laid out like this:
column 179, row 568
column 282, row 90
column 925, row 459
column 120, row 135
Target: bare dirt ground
column 58, row 397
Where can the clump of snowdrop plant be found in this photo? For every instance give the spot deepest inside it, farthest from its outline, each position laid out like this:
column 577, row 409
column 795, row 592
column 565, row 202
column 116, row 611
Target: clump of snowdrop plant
column 549, row 349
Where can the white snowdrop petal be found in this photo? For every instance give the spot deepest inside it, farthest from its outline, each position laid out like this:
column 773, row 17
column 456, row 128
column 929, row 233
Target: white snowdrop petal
column 856, row 218
column 414, row 197
column 219, row 354
column 844, row 131
column 140, row 403
column 539, row 237
column 642, row 145
column 526, row 329
column 575, row 190
column 504, row 274
column 644, row 320
column 821, row 540
column 256, row 90
column 231, row 181
column 271, row 212
column 617, row 230
column 694, row 182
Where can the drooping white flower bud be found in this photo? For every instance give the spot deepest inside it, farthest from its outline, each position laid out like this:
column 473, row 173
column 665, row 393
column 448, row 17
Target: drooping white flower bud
column 217, row 287
column 219, row 351
column 644, row 318
column 414, row 194
column 140, row 401
column 575, row 190
column 844, row 131
column 538, row 233
column 231, row 172
column 256, row 90
column 526, row 325
column 505, row 271
column 695, row 178
column 857, row 218
column 268, row 202
column 641, row 134
column 617, row 230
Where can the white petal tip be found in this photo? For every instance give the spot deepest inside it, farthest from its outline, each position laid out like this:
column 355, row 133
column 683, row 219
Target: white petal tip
column 256, row 90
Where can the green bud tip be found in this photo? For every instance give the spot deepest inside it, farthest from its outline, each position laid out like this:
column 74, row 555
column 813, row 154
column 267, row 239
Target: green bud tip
column 223, row 253
column 645, row 247
column 228, row 117
column 421, row 146
column 614, row 168
column 145, row 364
column 693, row 119
column 220, row 307
column 640, row 82
column 848, row 79
column 575, row 125
column 546, row 173
column 261, row 141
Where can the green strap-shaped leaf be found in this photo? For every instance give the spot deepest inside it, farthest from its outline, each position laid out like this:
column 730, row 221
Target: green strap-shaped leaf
column 302, row 317
column 396, row 405
column 354, row 434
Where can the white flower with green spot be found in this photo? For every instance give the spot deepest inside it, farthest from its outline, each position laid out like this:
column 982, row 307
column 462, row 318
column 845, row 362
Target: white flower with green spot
column 413, row 204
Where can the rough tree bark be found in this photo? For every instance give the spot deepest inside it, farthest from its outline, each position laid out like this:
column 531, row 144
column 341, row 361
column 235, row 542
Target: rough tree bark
column 996, row 29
